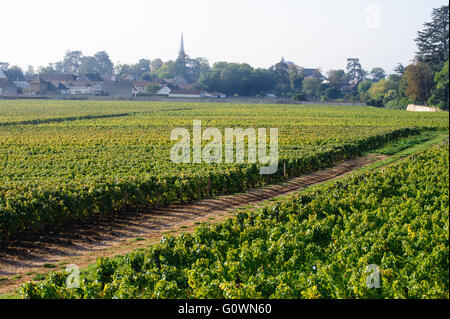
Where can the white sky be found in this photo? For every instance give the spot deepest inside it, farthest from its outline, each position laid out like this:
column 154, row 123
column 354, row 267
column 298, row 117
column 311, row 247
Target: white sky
column 319, row 33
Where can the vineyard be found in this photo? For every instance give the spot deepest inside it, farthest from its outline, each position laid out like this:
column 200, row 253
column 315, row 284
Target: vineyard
column 69, row 161
column 315, row 245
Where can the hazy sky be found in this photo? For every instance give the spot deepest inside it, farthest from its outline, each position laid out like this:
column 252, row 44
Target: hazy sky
column 319, row 33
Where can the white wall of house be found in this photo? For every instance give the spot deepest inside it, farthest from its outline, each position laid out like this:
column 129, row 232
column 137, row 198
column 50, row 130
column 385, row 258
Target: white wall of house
column 165, row 90
column 84, row 90
column 186, row 95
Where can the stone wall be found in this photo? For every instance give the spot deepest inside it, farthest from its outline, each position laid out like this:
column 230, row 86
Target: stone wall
column 421, row 108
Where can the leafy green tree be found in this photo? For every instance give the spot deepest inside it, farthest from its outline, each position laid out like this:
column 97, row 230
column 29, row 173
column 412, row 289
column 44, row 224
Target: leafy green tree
column 152, row 88
column 156, row 64
column 149, row 76
column 263, row 81
column 72, row 62
column 138, row 69
column 432, row 42
column 296, row 77
column 377, row 74
column 394, row 77
column 135, row 70
column 211, row 80
column 440, row 96
column 379, row 90
column 364, row 86
column 420, row 80
column 337, row 78
column 332, row 93
column 166, row 70
column 299, row 97
column 237, row 79
column 281, row 77
column 310, row 87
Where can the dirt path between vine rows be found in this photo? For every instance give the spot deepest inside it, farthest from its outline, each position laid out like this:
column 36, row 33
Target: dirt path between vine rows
column 82, row 245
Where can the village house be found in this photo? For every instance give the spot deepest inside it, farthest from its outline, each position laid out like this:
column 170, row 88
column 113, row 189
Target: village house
column 140, row 86
column 83, row 87
column 60, row 87
column 58, row 77
column 165, row 90
column 7, row 87
column 22, row 86
column 186, row 93
column 39, row 86
column 117, row 89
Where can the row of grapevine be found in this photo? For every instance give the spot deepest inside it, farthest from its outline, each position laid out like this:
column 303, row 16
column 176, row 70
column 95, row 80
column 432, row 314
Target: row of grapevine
column 316, row 245
column 50, row 205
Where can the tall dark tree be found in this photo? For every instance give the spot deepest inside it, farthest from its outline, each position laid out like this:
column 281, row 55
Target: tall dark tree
column 88, row 64
column 377, row 74
column 72, row 62
column 432, row 42
column 354, row 69
column 104, row 64
column 14, row 73
column 399, row 69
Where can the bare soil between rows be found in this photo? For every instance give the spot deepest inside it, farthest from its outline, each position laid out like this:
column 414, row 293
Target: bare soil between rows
column 118, row 235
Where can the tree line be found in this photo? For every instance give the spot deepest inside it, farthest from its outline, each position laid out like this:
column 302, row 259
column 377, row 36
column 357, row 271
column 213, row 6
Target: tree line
column 425, row 81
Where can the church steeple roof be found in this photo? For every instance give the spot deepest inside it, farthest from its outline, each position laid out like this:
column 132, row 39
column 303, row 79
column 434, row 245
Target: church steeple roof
column 181, row 53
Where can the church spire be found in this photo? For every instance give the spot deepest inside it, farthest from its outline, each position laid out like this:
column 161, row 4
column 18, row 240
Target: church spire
column 182, row 54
